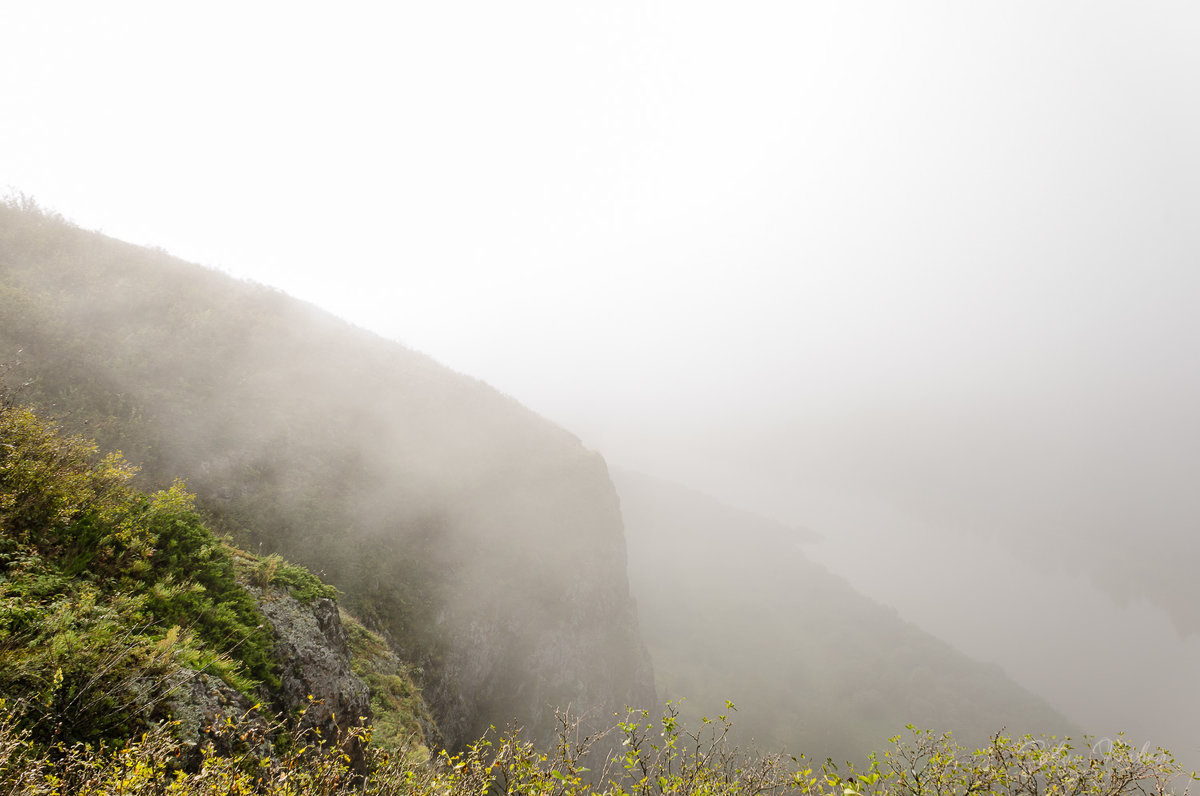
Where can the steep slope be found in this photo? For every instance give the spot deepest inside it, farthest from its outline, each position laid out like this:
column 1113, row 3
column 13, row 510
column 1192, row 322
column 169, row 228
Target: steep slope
column 119, row 610
column 733, row 609
column 484, row 541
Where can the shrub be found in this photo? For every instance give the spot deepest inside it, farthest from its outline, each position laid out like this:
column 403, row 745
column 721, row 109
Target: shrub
column 652, row 757
column 103, row 589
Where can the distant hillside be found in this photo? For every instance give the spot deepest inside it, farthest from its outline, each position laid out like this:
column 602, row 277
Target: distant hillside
column 733, row 609
column 483, row 541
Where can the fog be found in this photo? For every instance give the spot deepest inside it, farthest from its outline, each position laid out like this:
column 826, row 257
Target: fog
column 922, row 277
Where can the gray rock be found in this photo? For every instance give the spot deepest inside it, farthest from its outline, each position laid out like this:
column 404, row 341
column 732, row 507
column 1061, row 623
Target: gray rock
column 314, row 672
column 201, row 704
column 318, row 690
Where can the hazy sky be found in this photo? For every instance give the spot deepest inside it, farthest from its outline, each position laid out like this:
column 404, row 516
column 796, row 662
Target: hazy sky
column 636, row 214
column 943, row 257
column 784, row 224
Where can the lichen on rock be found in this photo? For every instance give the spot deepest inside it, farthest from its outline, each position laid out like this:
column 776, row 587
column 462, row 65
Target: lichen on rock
column 317, row 684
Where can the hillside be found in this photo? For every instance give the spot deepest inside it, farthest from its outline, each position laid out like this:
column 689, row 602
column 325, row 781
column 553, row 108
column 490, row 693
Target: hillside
column 131, row 666
column 733, row 609
column 484, row 542
column 120, row 611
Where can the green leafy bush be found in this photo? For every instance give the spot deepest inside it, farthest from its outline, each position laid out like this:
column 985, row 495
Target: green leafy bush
column 104, row 590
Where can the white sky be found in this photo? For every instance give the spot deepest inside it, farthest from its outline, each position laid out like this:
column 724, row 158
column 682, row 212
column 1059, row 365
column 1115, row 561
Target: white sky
column 788, row 252
column 621, row 211
column 645, row 219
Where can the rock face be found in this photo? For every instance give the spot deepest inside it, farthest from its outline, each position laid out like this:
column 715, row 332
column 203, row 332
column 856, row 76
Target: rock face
column 315, row 674
column 200, row 701
column 548, row 624
column 317, row 683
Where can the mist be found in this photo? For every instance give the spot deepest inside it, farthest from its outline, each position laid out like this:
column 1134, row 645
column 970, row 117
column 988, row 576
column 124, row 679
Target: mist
column 922, row 279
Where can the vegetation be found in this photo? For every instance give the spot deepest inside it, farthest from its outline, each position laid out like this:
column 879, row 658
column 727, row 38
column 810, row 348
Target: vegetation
column 272, row 570
column 105, row 590
column 399, row 714
column 654, row 758
column 110, row 599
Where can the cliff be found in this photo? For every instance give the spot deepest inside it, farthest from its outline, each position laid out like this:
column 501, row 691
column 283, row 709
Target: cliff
column 485, row 543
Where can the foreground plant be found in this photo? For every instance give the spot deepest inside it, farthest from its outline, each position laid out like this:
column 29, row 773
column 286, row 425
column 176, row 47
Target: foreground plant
column 932, row 764
column 637, row 756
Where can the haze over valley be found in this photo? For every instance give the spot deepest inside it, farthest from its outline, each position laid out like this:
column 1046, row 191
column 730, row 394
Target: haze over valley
column 882, row 319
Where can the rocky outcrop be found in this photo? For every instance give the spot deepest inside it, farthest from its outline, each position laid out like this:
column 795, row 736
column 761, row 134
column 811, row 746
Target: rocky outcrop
column 201, row 702
column 318, row 691
column 317, row 684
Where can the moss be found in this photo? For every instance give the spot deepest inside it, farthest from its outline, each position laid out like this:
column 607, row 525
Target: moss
column 272, row 570
column 302, row 584
column 399, row 714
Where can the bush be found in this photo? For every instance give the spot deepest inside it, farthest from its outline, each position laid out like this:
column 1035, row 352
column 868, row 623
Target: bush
column 104, row 589
column 652, row 758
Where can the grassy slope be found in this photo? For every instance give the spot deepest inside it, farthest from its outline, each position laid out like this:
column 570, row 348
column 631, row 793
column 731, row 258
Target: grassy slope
column 106, row 591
